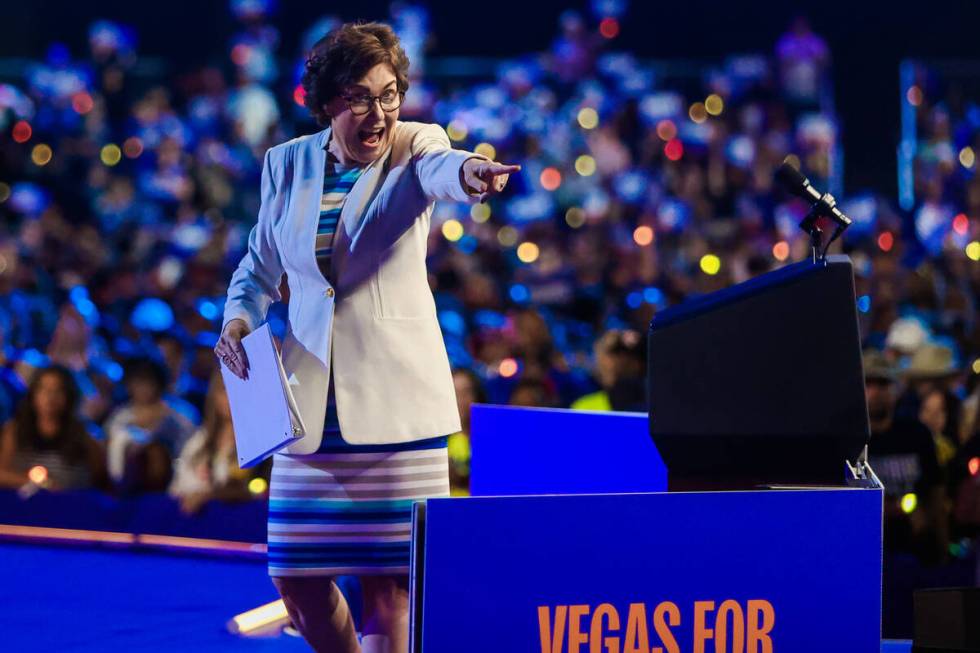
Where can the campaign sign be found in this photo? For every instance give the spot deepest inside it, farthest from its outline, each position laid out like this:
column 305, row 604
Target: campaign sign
column 780, row 571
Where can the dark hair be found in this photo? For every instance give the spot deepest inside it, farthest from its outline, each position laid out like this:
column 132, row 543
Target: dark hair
column 70, row 440
column 344, row 56
column 148, row 369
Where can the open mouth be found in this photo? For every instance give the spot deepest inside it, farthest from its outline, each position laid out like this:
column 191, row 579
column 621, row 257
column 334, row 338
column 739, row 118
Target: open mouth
column 371, row 137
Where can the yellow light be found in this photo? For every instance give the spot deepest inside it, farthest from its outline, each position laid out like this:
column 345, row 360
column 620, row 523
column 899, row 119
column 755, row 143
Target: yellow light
column 714, row 104
column 110, row 154
column 508, row 367
column 38, row 474
column 643, row 235
column 588, row 118
column 575, row 217
column 487, row 150
column 973, row 251
column 457, row 130
column 976, row 366
column 480, row 212
column 265, row 617
column 697, row 112
column 257, row 486
column 780, row 251
column 710, row 264
column 909, row 503
column 452, row 230
column 4, row 192
column 507, row 236
column 967, row 157
column 41, row 154
column 585, row 165
column 528, row 252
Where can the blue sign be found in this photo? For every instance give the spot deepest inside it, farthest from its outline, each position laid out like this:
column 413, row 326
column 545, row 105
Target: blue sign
column 781, row 571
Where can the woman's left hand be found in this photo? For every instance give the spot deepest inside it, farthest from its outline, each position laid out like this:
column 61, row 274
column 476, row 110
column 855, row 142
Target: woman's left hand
column 484, row 177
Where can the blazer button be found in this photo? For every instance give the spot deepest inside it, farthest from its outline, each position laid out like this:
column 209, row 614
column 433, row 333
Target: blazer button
column 329, row 292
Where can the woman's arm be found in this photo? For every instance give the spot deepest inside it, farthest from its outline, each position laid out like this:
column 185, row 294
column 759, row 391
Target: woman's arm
column 254, row 286
column 454, row 175
column 9, row 477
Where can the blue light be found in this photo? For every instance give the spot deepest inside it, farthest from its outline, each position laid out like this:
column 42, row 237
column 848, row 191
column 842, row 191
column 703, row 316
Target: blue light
column 467, row 244
column 208, row 309
column 653, row 295
column 864, row 303
column 114, row 371
column 634, row 299
column 78, row 293
column 152, row 314
column 452, row 322
column 519, row 293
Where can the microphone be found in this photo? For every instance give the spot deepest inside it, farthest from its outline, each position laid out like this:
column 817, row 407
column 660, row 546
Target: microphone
column 824, row 203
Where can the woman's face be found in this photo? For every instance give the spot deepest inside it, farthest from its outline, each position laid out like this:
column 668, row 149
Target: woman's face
column 50, row 398
column 362, row 139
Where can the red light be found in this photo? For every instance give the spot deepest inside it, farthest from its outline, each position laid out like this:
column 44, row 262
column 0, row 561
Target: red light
column 82, row 103
column 299, row 95
column 132, row 147
column 550, row 178
column 886, row 241
column 961, row 224
column 674, row 149
column 974, row 466
column 609, row 28
column 240, row 54
column 22, row 131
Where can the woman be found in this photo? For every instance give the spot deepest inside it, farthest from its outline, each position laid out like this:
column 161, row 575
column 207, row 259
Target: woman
column 345, row 214
column 208, row 466
column 145, row 434
column 47, row 432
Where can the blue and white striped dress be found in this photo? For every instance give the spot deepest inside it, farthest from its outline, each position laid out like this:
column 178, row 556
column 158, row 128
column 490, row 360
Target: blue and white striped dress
column 347, row 509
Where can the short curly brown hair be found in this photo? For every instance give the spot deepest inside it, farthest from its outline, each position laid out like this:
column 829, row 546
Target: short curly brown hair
column 344, row 56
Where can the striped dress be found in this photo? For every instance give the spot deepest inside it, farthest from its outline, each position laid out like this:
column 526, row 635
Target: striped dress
column 347, row 509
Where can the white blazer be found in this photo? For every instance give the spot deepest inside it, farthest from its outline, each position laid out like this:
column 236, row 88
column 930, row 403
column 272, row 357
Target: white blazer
column 376, row 324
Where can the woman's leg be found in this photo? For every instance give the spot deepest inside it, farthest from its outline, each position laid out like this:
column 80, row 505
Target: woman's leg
column 320, row 613
column 385, row 627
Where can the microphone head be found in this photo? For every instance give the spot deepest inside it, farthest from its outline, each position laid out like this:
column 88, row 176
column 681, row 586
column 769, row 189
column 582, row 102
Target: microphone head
column 792, row 180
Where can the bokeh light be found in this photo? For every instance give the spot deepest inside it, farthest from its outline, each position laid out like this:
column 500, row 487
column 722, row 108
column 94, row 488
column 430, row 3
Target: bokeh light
column 82, row 103
column 258, row 486
column 973, row 250
column 666, row 129
column 909, row 503
column 967, row 157
column 528, row 252
column 507, row 367
column 550, row 178
column 714, row 104
column 588, row 118
column 22, row 131
column 974, row 466
column 38, row 474
column 674, row 149
column 487, row 150
column 585, row 165
column 643, row 235
column 41, row 154
column 609, row 28
column 132, row 147
column 697, row 112
column 480, row 212
column 886, row 241
column 961, row 224
column 299, row 95
column 575, row 217
column 976, row 366
column 914, row 95
column 710, row 264
column 780, row 251
column 457, row 130
column 864, row 303
column 507, row 236
column 110, row 154
column 452, row 230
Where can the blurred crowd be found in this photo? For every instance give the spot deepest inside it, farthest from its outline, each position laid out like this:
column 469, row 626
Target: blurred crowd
column 126, row 198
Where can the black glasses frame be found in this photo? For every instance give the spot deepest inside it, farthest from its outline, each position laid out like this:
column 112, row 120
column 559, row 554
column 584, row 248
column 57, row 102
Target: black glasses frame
column 399, row 95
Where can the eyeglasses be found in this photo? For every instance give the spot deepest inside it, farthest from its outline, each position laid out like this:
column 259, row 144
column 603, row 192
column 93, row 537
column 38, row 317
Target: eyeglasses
column 361, row 103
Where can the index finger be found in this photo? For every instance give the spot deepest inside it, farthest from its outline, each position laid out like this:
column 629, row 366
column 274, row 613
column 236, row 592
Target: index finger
column 502, row 169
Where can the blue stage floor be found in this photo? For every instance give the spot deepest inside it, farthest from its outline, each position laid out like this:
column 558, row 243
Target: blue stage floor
column 58, row 598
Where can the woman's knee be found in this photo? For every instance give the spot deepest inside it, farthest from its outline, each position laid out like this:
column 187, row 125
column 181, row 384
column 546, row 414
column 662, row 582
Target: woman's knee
column 385, row 593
